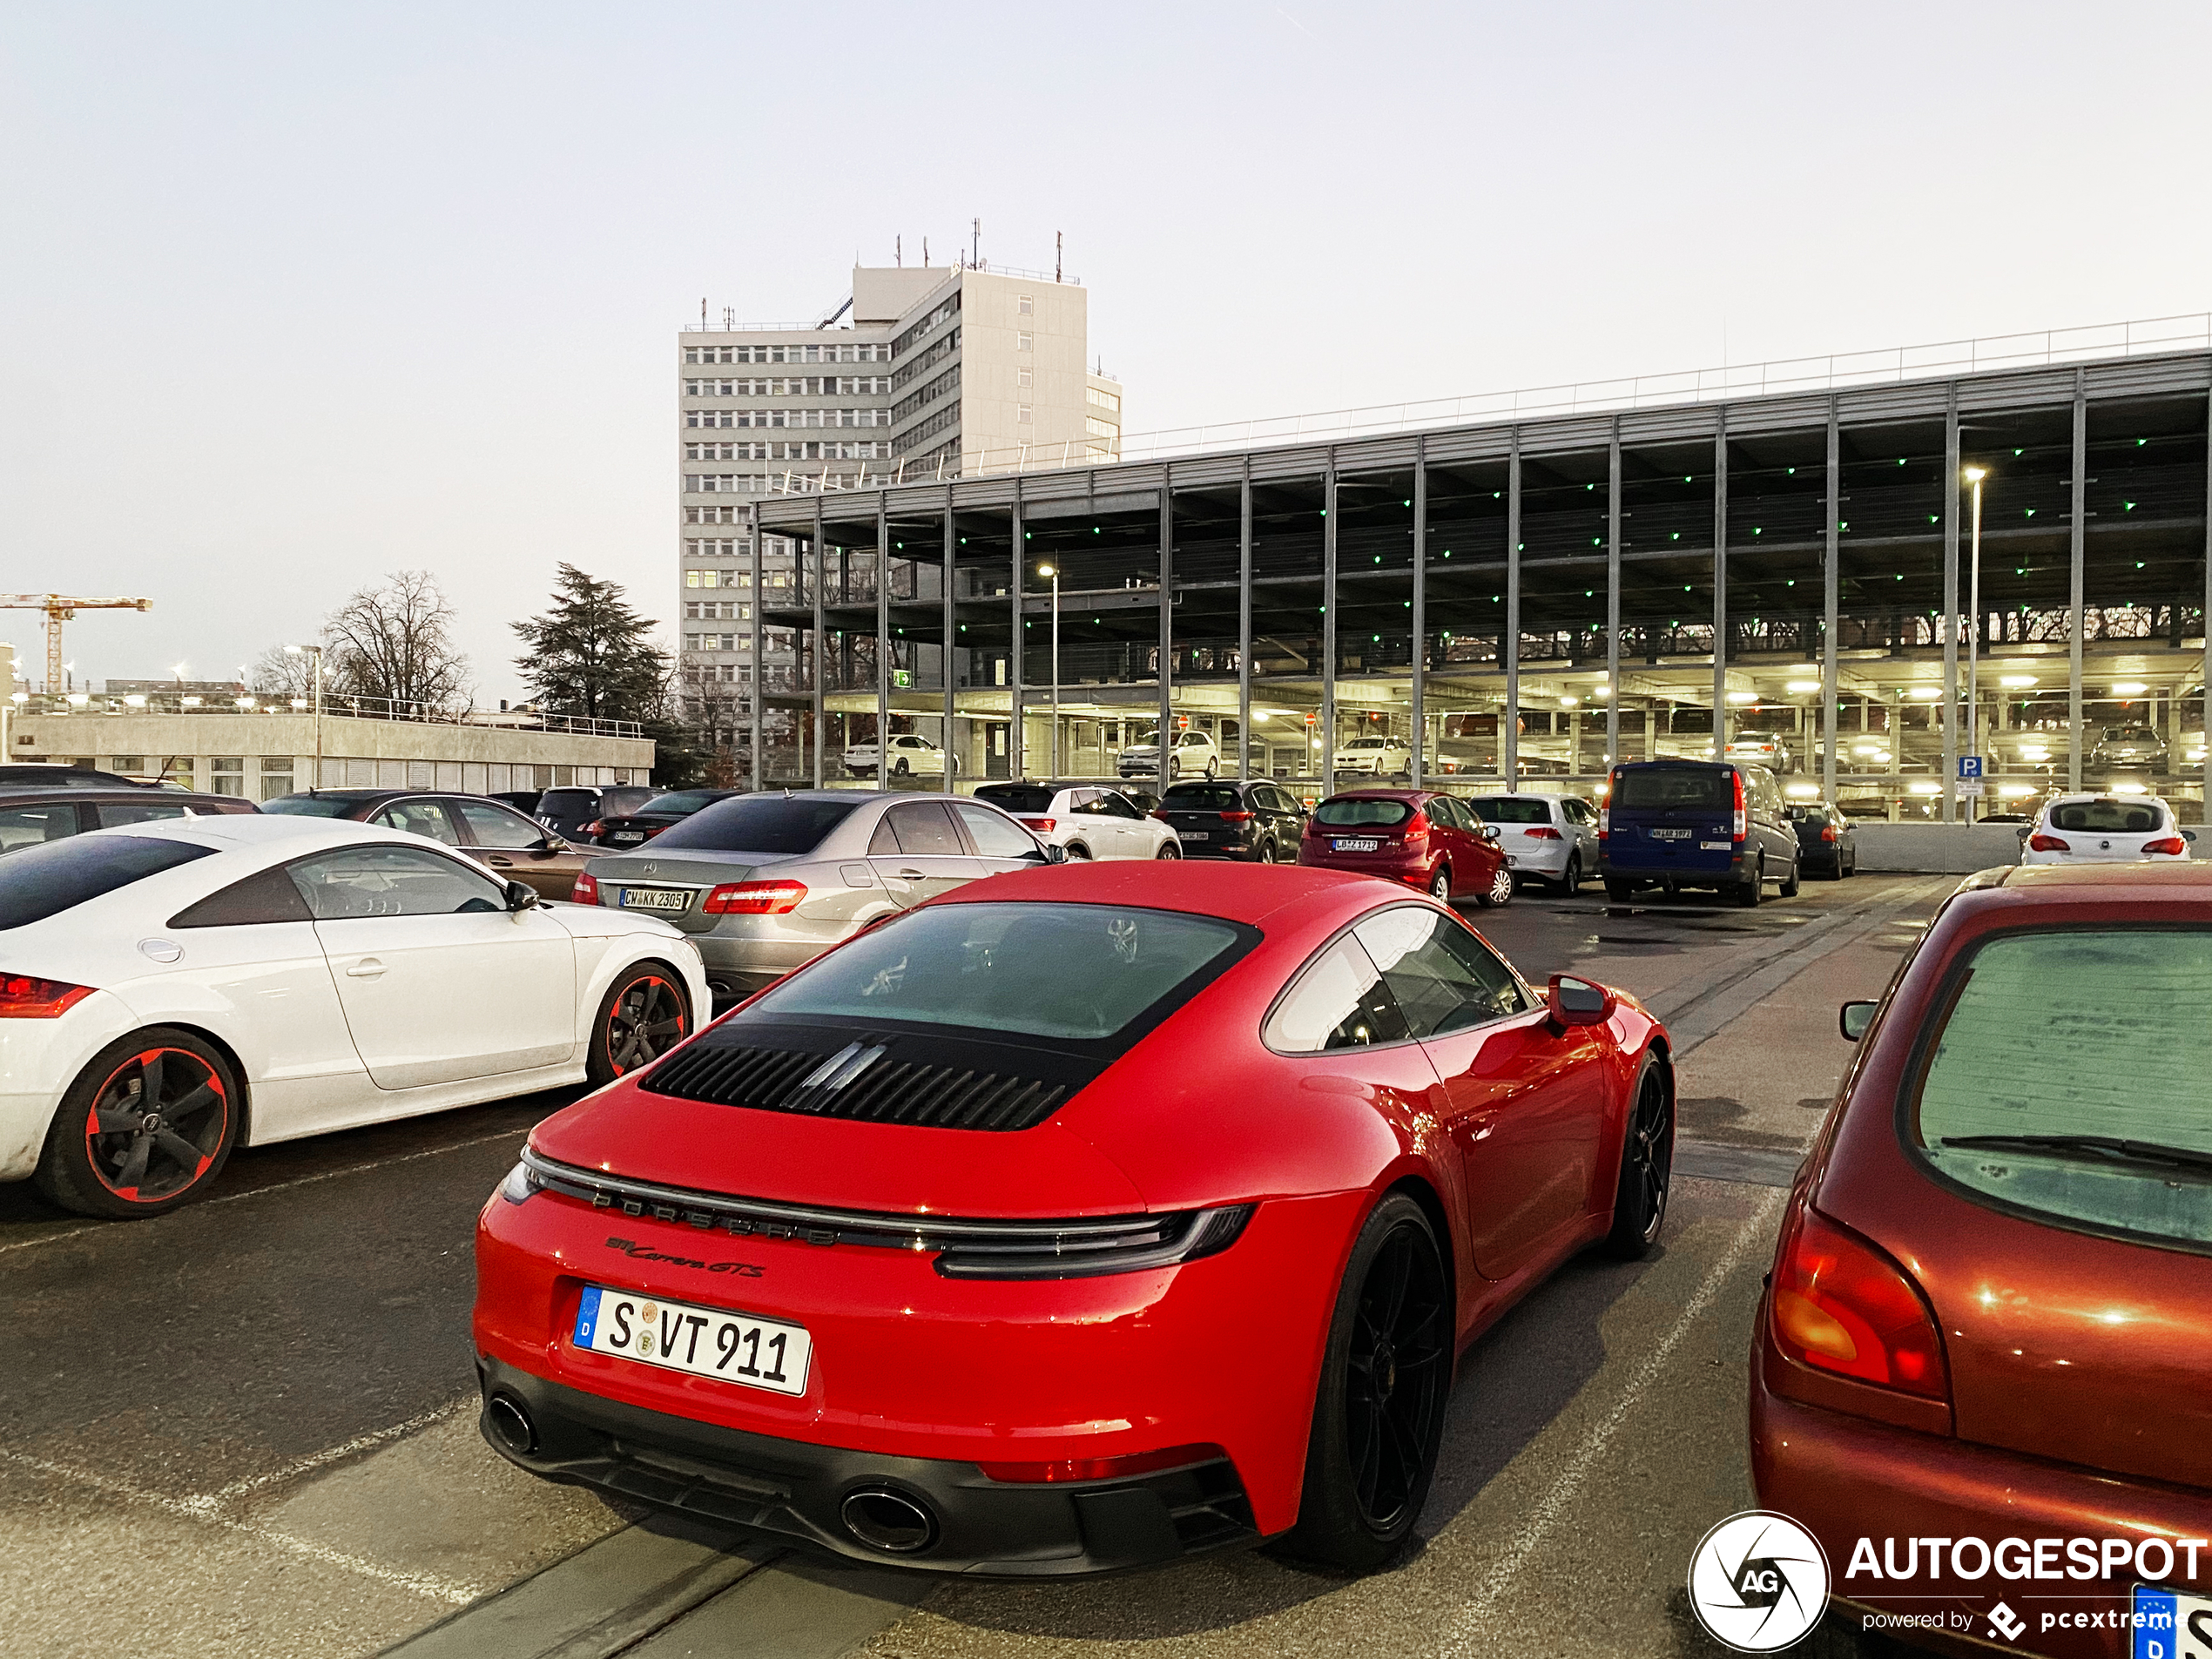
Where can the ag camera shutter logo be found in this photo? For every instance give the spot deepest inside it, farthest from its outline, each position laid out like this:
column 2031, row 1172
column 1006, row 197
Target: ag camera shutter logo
column 1758, row 1582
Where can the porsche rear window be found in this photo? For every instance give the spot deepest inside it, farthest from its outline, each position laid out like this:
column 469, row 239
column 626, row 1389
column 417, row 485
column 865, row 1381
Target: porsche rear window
column 1355, row 812
column 54, row 876
column 2108, row 817
column 1510, row 809
column 1081, row 971
column 2067, row 1080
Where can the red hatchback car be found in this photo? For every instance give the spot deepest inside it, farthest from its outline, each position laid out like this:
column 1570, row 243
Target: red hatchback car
column 1979, row 1373
column 1425, row 838
column 1081, row 1220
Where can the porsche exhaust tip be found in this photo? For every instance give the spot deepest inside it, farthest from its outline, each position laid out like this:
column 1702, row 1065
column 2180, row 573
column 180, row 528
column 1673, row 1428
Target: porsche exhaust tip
column 888, row 1520
column 510, row 1425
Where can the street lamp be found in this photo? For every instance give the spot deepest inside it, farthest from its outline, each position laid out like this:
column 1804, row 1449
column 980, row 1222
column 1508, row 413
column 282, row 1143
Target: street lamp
column 1053, row 571
column 315, row 651
column 1974, row 475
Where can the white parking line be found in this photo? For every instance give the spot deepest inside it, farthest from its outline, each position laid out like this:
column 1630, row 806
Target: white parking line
column 283, row 1186
column 1467, row 1638
column 209, row 1503
column 422, row 1584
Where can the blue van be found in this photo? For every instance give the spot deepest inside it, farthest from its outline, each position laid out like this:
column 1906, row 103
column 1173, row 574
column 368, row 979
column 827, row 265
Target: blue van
column 1695, row 824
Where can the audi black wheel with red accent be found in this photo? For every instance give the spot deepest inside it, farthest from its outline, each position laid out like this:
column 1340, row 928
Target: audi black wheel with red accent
column 644, row 1016
column 1380, row 1416
column 145, row 1127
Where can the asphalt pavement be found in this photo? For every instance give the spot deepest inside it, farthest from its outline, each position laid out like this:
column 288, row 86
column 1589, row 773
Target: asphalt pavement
column 247, row 1428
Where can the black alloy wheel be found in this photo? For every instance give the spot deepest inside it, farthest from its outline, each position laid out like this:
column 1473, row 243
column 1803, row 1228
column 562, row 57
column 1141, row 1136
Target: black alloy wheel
column 643, row 1015
column 1379, row 1415
column 901, row 769
column 148, row 1124
column 1501, row 892
column 1647, row 1165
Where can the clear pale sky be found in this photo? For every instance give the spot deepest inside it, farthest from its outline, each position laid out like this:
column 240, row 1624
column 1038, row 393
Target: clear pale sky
column 297, row 294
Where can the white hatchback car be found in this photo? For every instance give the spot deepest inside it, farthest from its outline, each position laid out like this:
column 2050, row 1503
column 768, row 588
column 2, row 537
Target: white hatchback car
column 1088, row 820
column 2101, row 829
column 1548, row 838
column 171, row 990
column 912, row 755
column 1194, row 756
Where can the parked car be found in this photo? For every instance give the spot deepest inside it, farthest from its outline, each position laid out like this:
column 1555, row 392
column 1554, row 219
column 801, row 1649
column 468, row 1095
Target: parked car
column 1986, row 1318
column 1548, row 837
column 566, row 811
column 1827, row 843
column 2104, row 829
column 523, row 801
column 1384, row 756
column 1758, row 749
column 1417, row 836
column 1244, row 1322
column 55, row 774
column 1085, row 820
column 186, row 985
column 1192, row 751
column 764, row 882
column 1144, row 800
column 33, row 816
column 1696, row 824
column 912, row 755
column 2130, row 748
column 493, row 833
column 1248, row 818
column 635, row 827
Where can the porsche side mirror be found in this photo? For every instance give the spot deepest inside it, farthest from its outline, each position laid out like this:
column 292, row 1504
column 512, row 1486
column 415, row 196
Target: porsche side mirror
column 521, row 896
column 1853, row 1018
column 1575, row 1001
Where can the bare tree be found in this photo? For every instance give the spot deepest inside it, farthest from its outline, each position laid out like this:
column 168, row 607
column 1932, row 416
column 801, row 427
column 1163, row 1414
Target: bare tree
column 277, row 672
column 397, row 641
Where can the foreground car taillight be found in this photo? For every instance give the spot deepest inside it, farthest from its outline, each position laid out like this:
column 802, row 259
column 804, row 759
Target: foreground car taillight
column 755, row 898
column 2172, row 846
column 1842, row 1306
column 586, row 890
column 1104, row 1468
column 2042, row 843
column 1133, row 1246
column 22, row 998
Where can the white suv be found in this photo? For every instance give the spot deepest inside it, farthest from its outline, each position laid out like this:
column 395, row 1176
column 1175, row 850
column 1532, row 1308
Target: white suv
column 912, row 755
column 2104, row 829
column 1385, row 757
column 1194, row 754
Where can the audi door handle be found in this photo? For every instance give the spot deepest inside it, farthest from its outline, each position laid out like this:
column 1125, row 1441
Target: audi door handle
column 368, row 967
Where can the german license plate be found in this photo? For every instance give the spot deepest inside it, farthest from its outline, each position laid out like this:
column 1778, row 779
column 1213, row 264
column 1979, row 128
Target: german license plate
column 1194, row 835
column 1672, row 834
column 704, row 1342
column 623, row 838
column 1361, row 844
column 652, row 899
column 2170, row 1624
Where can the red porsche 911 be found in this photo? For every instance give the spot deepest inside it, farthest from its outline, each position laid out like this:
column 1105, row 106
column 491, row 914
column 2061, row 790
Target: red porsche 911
column 1082, row 1219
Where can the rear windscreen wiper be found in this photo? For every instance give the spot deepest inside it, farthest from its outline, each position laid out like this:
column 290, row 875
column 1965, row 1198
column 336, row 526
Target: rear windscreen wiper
column 2101, row 1147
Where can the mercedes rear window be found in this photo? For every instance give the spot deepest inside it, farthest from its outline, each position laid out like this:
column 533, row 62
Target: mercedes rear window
column 1356, row 813
column 43, row 881
column 1202, row 798
column 759, row 823
column 1510, row 809
column 1673, row 789
column 1017, row 798
column 2066, row 1080
column 2109, row 817
column 1077, row 972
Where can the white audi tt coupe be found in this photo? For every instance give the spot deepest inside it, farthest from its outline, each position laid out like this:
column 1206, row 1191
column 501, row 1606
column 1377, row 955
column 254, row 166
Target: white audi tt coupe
column 171, row 990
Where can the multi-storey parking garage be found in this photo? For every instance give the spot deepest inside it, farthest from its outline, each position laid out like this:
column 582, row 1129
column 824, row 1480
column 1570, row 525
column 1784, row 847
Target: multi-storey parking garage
column 1518, row 599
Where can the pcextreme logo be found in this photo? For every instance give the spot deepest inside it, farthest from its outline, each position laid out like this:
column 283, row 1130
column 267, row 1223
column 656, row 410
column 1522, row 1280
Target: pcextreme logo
column 1758, row 1582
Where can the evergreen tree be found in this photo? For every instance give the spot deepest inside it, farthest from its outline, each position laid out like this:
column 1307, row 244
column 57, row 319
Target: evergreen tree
column 591, row 655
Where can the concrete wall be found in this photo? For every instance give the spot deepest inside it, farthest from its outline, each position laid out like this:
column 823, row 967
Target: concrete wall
column 1937, row 849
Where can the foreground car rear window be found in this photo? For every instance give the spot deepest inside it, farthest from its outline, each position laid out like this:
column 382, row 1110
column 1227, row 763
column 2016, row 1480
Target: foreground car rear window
column 45, row 881
column 1083, row 971
column 759, row 823
column 1510, row 809
column 1671, row 789
column 2066, row 1081
column 1345, row 815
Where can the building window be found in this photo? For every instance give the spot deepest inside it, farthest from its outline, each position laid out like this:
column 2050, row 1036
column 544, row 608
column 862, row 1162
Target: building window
column 126, row 764
column 1026, row 304
column 1105, row 399
column 1099, row 428
column 731, row 514
column 1023, row 376
column 1022, row 341
column 226, row 774
column 1026, row 415
column 276, row 776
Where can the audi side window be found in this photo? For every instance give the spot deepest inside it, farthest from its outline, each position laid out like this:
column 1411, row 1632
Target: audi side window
column 381, row 880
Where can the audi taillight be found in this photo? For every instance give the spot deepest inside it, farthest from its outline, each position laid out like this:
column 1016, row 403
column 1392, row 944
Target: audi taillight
column 1842, row 1306
column 1236, row 818
column 586, row 890
column 2172, row 846
column 755, row 898
column 1543, row 832
column 1039, row 825
column 1828, row 832
column 2039, row 842
column 1742, row 826
column 23, row 998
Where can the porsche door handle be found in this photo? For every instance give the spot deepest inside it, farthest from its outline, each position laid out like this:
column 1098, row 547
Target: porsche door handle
column 368, row 967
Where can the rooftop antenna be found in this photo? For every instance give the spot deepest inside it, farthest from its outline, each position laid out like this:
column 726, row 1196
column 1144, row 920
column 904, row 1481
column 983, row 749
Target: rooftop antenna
column 976, row 247
column 702, row 314
column 899, row 249
column 925, row 253
column 1055, row 256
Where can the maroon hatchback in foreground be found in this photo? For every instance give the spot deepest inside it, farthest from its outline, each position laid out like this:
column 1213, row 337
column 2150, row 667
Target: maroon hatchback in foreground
column 1982, row 1371
column 1425, row 838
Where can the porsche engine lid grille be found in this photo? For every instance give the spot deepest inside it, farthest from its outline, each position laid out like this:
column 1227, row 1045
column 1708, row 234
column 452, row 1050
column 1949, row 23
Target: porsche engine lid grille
column 863, row 1081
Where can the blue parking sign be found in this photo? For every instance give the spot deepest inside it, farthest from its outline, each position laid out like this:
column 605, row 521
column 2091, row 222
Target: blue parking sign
column 1969, row 767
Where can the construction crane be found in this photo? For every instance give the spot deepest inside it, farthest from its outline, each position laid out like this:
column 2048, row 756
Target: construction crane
column 61, row 608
